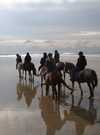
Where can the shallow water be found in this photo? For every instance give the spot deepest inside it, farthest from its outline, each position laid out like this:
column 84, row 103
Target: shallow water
column 25, row 110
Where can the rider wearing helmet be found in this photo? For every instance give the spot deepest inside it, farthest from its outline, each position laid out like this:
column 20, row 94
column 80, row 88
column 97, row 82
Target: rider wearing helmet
column 81, row 62
column 56, row 56
column 43, row 60
column 18, row 60
column 51, row 66
column 27, row 59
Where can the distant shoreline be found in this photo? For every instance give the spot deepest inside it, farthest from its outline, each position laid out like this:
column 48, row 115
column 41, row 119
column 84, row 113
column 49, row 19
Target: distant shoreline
column 35, row 55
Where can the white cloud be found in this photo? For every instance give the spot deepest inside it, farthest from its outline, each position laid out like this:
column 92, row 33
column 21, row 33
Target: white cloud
column 7, row 3
column 55, row 1
column 42, row 3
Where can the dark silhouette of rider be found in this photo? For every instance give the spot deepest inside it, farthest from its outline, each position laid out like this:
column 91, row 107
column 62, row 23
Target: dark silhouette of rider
column 56, row 56
column 18, row 60
column 43, row 60
column 51, row 66
column 27, row 59
column 81, row 64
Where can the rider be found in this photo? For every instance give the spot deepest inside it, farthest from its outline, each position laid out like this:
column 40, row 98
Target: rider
column 81, row 64
column 56, row 56
column 50, row 63
column 43, row 60
column 18, row 60
column 27, row 59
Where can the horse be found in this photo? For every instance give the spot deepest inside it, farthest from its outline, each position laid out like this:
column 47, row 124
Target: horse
column 60, row 67
column 23, row 67
column 52, row 79
column 87, row 75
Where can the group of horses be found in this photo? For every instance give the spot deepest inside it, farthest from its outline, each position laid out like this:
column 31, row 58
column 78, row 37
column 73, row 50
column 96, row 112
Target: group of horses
column 57, row 78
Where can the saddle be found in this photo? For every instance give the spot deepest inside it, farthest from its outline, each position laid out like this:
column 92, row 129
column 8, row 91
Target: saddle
column 52, row 76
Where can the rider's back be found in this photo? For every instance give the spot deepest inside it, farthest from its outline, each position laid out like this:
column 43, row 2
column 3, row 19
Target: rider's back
column 50, row 65
column 81, row 63
column 27, row 59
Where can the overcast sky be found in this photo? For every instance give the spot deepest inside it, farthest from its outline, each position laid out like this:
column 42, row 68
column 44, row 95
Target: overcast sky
column 26, row 16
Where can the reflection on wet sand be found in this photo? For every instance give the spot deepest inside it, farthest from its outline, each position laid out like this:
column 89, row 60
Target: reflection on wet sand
column 56, row 116
column 27, row 90
column 51, row 114
column 81, row 116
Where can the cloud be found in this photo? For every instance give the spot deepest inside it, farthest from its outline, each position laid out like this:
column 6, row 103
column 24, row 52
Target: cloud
column 55, row 1
column 44, row 3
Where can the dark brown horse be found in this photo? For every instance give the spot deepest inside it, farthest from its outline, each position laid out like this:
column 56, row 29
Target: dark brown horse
column 53, row 79
column 24, row 68
column 88, row 76
column 60, row 67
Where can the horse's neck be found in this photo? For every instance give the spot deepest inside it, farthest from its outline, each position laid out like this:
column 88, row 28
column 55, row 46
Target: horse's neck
column 43, row 69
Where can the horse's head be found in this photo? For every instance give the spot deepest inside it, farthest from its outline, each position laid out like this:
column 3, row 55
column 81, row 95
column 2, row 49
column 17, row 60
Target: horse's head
column 43, row 70
column 69, row 67
column 20, row 66
column 60, row 66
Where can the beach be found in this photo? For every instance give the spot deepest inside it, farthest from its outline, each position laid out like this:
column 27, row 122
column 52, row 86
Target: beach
column 25, row 111
column 36, row 27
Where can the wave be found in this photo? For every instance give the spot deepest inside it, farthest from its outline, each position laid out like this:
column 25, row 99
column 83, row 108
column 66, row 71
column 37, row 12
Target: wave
column 39, row 55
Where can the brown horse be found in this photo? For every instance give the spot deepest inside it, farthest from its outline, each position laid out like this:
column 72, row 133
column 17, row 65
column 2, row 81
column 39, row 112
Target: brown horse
column 88, row 76
column 52, row 79
column 60, row 67
column 24, row 68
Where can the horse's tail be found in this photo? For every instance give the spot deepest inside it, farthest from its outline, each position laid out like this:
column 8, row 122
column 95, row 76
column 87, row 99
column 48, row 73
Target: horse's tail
column 65, row 84
column 95, row 78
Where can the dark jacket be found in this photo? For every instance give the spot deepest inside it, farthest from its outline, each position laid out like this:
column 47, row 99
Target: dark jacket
column 81, row 63
column 51, row 66
column 56, row 57
column 27, row 59
column 43, row 60
column 18, row 59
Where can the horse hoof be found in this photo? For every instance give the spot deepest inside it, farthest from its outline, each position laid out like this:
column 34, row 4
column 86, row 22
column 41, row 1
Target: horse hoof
column 90, row 97
column 71, row 92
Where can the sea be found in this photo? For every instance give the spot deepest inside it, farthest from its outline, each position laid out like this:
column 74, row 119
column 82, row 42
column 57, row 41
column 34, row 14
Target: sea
column 71, row 44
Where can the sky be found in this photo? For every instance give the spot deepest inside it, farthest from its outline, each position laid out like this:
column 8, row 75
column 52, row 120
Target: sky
column 34, row 17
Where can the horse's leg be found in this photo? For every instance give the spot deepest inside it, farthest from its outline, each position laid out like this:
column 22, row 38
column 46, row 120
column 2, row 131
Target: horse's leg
column 41, row 81
column 72, row 105
column 30, row 75
column 33, row 77
column 93, row 84
column 91, row 90
column 59, row 91
column 64, row 74
column 47, row 89
column 80, row 89
column 72, row 87
column 54, row 92
column 25, row 74
column 19, row 73
column 22, row 72
column 80, row 100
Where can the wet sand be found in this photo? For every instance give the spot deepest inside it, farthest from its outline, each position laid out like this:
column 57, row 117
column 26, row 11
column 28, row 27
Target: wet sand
column 25, row 111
